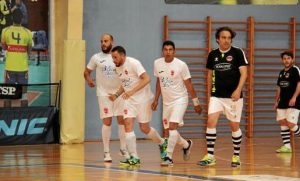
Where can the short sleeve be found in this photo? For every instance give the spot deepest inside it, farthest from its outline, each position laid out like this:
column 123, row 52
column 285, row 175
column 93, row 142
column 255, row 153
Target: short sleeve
column 139, row 68
column 155, row 69
column 185, row 73
column 209, row 62
column 92, row 63
column 242, row 58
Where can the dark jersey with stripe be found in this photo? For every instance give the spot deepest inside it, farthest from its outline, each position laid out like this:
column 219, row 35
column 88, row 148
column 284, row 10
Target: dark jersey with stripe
column 226, row 73
column 287, row 81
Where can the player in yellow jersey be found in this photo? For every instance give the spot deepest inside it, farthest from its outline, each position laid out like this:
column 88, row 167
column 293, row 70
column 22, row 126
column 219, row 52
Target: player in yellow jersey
column 17, row 41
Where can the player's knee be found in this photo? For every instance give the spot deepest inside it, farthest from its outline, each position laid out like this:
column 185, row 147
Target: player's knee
column 145, row 129
column 290, row 124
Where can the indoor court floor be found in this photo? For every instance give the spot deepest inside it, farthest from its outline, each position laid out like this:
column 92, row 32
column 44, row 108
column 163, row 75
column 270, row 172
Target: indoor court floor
column 84, row 162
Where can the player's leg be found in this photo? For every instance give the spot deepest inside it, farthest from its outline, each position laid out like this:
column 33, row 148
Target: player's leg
column 118, row 112
column 233, row 112
column 144, row 117
column 121, row 130
column 106, row 113
column 130, row 139
column 281, row 117
column 292, row 120
column 214, row 110
column 130, row 113
column 106, row 135
column 175, row 114
column 23, row 79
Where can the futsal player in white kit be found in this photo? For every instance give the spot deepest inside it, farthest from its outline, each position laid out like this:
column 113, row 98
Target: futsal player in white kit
column 137, row 95
column 107, row 83
column 174, row 83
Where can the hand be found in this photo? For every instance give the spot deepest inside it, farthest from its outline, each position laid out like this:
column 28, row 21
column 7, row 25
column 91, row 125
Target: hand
column 127, row 95
column 154, row 105
column 235, row 96
column 112, row 97
column 292, row 101
column 91, row 82
column 198, row 109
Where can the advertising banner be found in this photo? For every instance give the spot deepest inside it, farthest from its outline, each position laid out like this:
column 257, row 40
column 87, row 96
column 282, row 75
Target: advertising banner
column 29, row 125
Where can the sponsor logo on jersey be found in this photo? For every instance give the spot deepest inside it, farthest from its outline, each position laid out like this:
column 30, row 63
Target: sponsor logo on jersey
column 102, row 61
column 17, row 48
column 287, row 75
column 284, row 83
column 229, row 58
column 223, row 66
column 160, row 72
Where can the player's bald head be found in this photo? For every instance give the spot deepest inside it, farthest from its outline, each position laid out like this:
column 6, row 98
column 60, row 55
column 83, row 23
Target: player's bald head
column 107, row 35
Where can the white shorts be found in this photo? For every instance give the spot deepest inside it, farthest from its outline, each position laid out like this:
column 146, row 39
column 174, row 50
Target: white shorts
column 142, row 111
column 231, row 109
column 110, row 108
column 290, row 114
column 174, row 113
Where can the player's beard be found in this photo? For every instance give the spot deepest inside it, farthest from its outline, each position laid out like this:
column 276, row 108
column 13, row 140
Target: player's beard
column 107, row 50
column 288, row 65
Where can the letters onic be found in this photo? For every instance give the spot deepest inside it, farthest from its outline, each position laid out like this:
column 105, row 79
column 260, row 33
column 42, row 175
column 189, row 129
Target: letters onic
column 18, row 127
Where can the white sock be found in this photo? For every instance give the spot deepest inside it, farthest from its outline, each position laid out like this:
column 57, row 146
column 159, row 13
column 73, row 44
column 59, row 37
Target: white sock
column 131, row 144
column 106, row 133
column 182, row 142
column 122, row 137
column 173, row 137
column 155, row 137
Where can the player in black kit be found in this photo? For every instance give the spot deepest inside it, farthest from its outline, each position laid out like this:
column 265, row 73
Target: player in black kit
column 287, row 101
column 227, row 73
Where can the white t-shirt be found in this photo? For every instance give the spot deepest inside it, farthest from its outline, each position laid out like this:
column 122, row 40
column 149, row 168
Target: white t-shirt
column 171, row 76
column 106, row 78
column 129, row 74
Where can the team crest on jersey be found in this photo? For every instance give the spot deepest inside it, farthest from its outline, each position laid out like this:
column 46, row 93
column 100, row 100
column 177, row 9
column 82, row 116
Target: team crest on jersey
column 172, row 72
column 216, row 59
column 126, row 72
column 287, row 75
column 125, row 111
column 229, row 58
column 105, row 110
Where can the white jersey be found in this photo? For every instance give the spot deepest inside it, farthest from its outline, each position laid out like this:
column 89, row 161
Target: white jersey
column 106, row 78
column 171, row 77
column 129, row 74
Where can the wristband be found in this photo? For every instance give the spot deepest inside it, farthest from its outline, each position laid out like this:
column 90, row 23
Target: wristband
column 196, row 101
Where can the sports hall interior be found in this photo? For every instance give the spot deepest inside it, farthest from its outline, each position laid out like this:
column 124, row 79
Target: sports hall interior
column 73, row 30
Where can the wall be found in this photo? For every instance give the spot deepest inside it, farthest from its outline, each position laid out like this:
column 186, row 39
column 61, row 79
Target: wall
column 138, row 24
